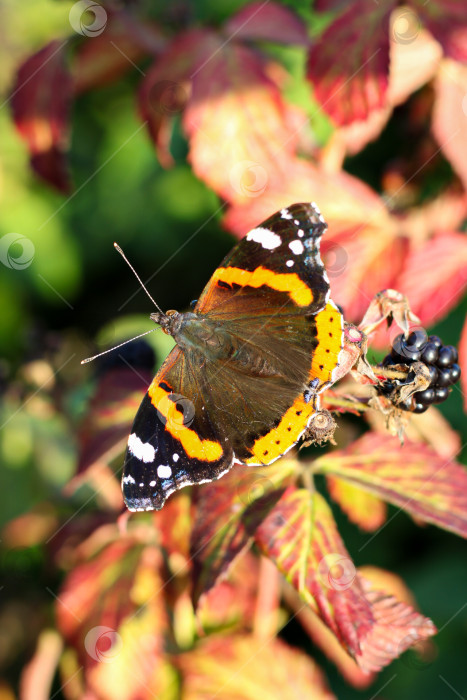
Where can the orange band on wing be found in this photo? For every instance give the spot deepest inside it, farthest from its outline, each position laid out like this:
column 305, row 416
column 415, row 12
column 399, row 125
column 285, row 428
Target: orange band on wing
column 291, row 283
column 275, row 443
column 330, row 336
column 194, row 446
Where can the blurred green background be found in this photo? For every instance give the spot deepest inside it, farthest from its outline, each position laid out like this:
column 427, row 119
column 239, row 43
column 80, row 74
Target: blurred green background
column 72, row 299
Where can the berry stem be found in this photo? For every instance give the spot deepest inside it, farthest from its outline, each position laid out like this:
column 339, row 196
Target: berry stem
column 355, row 404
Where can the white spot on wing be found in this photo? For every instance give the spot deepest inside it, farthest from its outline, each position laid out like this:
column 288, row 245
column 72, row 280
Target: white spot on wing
column 164, row 471
column 268, row 239
column 143, row 451
column 175, row 457
column 296, row 222
column 296, row 247
column 128, row 479
column 285, row 214
column 152, row 483
column 289, row 263
column 300, row 233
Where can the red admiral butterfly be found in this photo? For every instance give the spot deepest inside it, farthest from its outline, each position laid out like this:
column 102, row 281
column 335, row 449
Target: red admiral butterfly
column 243, row 382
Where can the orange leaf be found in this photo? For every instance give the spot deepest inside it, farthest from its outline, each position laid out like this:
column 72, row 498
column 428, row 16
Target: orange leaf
column 245, row 668
column 40, row 100
column 238, row 125
column 362, row 508
column 267, row 21
column 413, row 477
column 232, row 601
column 301, row 537
column 111, row 609
column 450, row 115
column 352, row 82
column 435, row 276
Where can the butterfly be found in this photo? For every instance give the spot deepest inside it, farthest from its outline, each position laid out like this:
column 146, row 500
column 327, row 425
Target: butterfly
column 242, row 383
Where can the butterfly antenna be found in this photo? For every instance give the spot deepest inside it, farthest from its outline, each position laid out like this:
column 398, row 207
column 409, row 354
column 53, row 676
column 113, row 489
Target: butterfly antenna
column 130, row 340
column 117, row 247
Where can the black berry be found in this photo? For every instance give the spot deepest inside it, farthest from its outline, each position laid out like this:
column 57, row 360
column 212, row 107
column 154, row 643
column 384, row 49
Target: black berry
column 444, row 377
column 425, row 397
column 441, row 394
column 419, row 408
column 433, row 375
column 436, row 340
column 430, row 354
column 416, row 340
column 447, row 356
column 455, row 372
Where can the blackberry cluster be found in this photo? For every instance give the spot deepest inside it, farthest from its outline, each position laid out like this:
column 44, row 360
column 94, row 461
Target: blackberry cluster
column 440, row 359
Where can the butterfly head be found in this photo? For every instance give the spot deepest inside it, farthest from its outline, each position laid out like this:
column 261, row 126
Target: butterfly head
column 169, row 322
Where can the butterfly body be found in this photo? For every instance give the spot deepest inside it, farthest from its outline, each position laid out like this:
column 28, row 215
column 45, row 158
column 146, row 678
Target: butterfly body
column 243, row 381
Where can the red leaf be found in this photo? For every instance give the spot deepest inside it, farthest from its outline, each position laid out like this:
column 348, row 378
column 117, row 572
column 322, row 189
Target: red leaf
column 435, row 276
column 301, row 537
column 397, row 627
column 449, row 115
column 413, row 477
column 40, row 100
column 165, row 89
column 447, row 21
column 104, row 58
column 241, row 667
column 227, row 514
column 240, row 130
column 269, row 21
column 351, row 82
column 463, row 362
